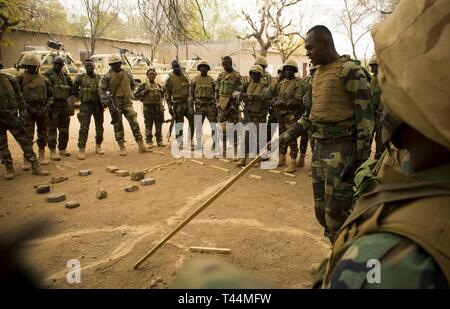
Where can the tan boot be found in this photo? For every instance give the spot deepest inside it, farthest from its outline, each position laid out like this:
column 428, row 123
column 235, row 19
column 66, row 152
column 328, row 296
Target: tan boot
column 99, row 150
column 291, row 166
column 281, row 160
column 64, row 153
column 42, row 159
column 301, row 160
column 142, row 147
column 81, row 154
column 10, row 171
column 26, row 166
column 161, row 144
column 122, row 151
column 150, row 145
column 53, row 155
column 37, row 169
column 241, row 162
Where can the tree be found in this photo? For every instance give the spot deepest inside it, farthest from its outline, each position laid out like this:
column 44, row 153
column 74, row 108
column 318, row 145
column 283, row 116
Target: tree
column 271, row 25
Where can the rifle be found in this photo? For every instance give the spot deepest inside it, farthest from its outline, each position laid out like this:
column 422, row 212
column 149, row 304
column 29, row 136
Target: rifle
column 115, row 112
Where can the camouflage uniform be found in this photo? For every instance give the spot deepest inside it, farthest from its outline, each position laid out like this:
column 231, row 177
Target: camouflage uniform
column 203, row 99
column 59, row 118
column 38, row 95
column 85, row 87
column 11, row 100
column 177, row 96
column 121, row 86
column 378, row 112
column 152, row 95
column 342, row 129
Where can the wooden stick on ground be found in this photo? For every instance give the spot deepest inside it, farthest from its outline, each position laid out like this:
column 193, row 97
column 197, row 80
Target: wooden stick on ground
column 199, row 209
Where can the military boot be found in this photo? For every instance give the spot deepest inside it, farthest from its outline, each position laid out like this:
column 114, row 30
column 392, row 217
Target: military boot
column 81, row 154
column 291, row 166
column 150, row 144
column 122, row 151
column 26, row 166
column 37, row 169
column 301, row 160
column 281, row 160
column 53, row 155
column 10, row 171
column 42, row 159
column 142, row 147
column 161, row 144
column 241, row 162
column 64, row 153
column 99, row 150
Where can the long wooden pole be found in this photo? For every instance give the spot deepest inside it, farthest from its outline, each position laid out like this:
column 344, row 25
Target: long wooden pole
column 199, row 209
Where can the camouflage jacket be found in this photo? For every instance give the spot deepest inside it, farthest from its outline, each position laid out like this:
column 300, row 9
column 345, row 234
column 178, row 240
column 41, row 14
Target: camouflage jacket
column 256, row 103
column 21, row 78
column 376, row 96
column 192, row 97
column 80, row 83
column 359, row 126
column 227, row 83
column 61, row 84
column 10, row 95
column 291, row 102
column 175, row 88
column 104, row 84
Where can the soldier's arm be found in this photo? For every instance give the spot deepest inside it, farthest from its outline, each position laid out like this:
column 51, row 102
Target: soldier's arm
column 76, row 86
column 140, row 91
column 216, row 92
column 103, row 87
column 21, row 102
column 359, row 93
column 168, row 87
column 49, row 91
column 192, row 93
column 132, row 82
column 69, row 80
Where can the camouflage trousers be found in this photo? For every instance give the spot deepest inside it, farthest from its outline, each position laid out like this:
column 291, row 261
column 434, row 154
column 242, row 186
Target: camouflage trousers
column 59, row 121
column 12, row 123
column 153, row 115
column 126, row 107
column 333, row 197
column 228, row 115
column 88, row 109
column 40, row 122
column 206, row 110
column 181, row 110
column 288, row 120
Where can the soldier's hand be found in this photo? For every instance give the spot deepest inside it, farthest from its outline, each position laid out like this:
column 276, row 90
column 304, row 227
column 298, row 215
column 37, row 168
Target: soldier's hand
column 273, row 144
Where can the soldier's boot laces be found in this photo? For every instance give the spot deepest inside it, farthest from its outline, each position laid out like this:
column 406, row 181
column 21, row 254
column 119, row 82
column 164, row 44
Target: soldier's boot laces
column 301, row 160
column 64, row 153
column 42, row 159
column 241, row 162
column 81, row 154
column 26, row 166
column 99, row 150
column 37, row 169
column 10, row 171
column 142, row 147
column 53, row 155
column 281, row 160
column 291, row 166
column 122, row 150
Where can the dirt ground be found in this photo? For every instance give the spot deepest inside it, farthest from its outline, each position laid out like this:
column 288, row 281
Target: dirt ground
column 269, row 226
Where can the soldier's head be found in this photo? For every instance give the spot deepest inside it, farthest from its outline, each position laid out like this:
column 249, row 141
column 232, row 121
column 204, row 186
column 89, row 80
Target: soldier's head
column 405, row 61
column 151, row 74
column 31, row 63
column 319, row 45
column 281, row 75
column 176, row 67
column 115, row 62
column 203, row 67
column 227, row 63
column 290, row 67
column 373, row 63
column 256, row 73
column 262, row 61
column 58, row 63
column 89, row 66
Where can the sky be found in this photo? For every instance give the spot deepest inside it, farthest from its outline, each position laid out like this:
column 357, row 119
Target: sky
column 314, row 12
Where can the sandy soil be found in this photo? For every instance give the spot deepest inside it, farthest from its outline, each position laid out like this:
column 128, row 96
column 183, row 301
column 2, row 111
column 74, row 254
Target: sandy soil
column 268, row 225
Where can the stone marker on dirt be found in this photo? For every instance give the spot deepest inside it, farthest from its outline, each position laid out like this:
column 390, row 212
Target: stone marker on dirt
column 123, row 173
column 290, row 175
column 292, row 183
column 208, row 249
column 58, row 179
column 253, row 176
column 147, row 181
column 138, row 175
column 56, row 197
column 85, row 172
column 42, row 189
column 131, row 188
column 101, row 194
column 72, row 204
column 112, row 169
column 220, row 168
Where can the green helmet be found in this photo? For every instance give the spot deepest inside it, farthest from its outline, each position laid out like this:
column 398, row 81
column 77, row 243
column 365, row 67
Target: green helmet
column 291, row 63
column 31, row 60
column 59, row 59
column 115, row 59
column 262, row 61
column 373, row 60
column 256, row 69
column 203, row 62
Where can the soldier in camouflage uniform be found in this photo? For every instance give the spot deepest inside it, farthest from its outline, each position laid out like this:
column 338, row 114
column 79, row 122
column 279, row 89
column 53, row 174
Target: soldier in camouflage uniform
column 59, row 118
column 377, row 106
column 307, row 102
column 341, row 122
column 85, row 87
column 272, row 118
column 177, row 98
column 11, row 101
column 227, row 106
column 288, row 105
column 203, row 88
column 266, row 77
column 118, row 84
column 151, row 94
column 38, row 95
column 403, row 223
column 255, row 95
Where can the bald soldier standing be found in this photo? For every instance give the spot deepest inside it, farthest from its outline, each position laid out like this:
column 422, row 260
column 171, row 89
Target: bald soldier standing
column 341, row 122
column 404, row 223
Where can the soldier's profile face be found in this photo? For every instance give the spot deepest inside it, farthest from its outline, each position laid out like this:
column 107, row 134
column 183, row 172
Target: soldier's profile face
column 314, row 49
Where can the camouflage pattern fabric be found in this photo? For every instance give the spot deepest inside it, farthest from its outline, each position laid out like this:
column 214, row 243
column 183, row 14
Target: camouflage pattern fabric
column 87, row 110
column 153, row 115
column 127, row 110
column 41, row 122
column 59, row 122
column 378, row 113
column 181, row 110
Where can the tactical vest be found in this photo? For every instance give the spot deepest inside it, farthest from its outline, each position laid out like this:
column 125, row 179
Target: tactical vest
column 330, row 102
column 89, row 88
column 204, row 87
column 417, row 210
column 34, row 88
column 255, row 105
column 154, row 94
column 180, row 86
column 227, row 85
column 119, row 84
column 8, row 99
column 60, row 83
column 287, row 89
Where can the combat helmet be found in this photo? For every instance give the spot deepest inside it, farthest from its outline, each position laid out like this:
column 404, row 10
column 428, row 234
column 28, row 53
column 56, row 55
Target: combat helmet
column 115, row 59
column 291, row 63
column 59, row 59
column 262, row 61
column 256, row 68
column 31, row 60
column 203, row 62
